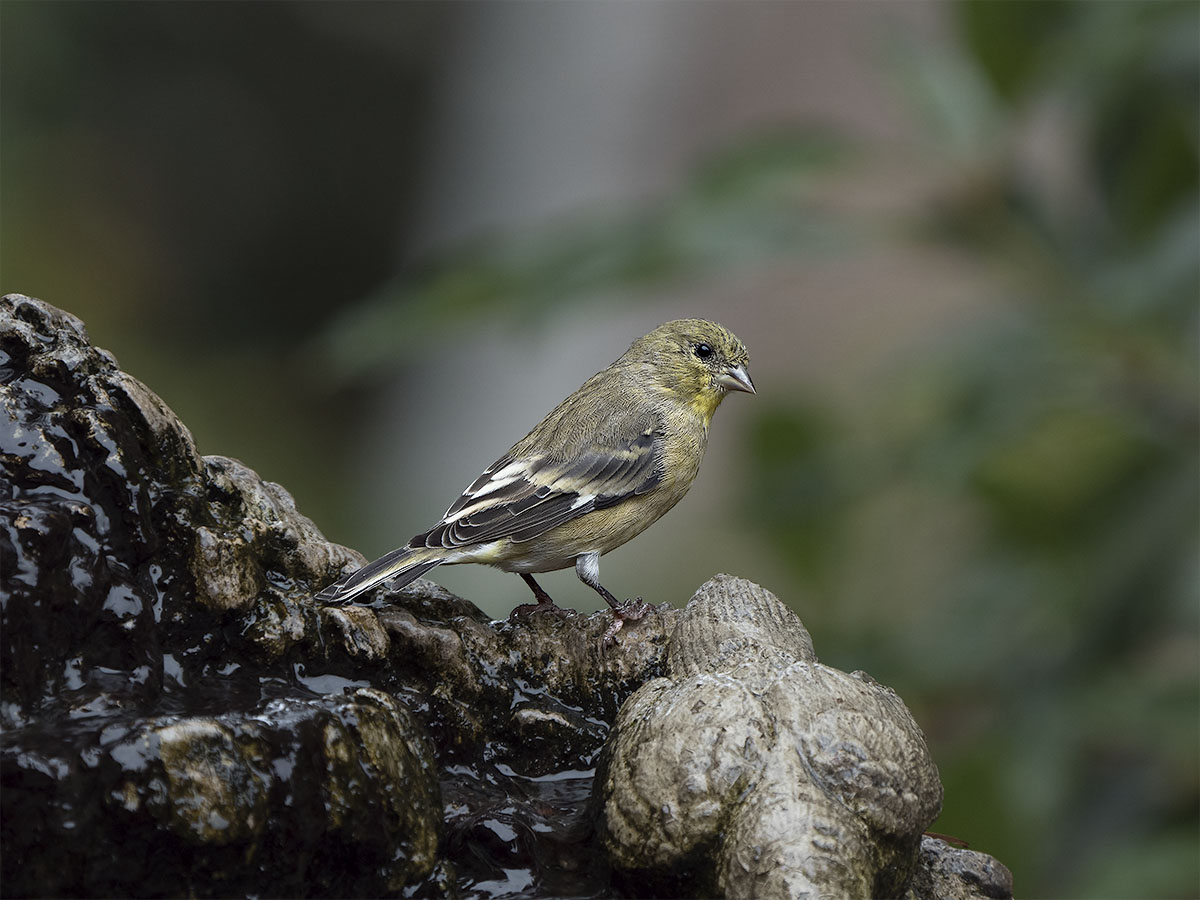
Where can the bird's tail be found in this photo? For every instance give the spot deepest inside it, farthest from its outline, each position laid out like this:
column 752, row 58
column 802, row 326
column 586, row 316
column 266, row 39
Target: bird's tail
column 401, row 566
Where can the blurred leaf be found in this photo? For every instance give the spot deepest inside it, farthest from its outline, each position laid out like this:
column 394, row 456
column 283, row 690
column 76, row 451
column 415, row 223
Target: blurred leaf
column 1160, row 864
column 1157, row 281
column 754, row 202
column 1051, row 483
column 765, row 165
column 797, row 494
column 1010, row 39
column 957, row 109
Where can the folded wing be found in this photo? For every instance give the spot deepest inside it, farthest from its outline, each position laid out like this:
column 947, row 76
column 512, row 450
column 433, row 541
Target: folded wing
column 522, row 498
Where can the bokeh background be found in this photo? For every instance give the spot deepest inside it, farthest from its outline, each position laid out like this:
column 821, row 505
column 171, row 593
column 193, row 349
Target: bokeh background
column 364, row 247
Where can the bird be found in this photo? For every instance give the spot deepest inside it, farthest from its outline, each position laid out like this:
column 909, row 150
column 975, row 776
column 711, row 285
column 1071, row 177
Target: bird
column 599, row 469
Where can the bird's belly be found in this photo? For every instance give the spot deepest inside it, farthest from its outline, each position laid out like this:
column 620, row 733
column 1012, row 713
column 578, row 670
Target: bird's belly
column 596, row 532
column 537, row 555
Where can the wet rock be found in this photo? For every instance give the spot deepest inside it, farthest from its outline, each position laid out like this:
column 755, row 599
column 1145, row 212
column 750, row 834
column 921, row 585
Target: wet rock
column 119, row 538
column 954, row 873
column 322, row 795
column 540, row 690
column 750, row 769
column 180, row 718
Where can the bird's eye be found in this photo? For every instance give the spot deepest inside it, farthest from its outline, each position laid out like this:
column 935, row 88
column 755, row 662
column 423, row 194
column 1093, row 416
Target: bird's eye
column 703, row 351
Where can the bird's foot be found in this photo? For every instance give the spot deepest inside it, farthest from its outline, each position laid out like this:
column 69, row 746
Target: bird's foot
column 629, row 611
column 528, row 609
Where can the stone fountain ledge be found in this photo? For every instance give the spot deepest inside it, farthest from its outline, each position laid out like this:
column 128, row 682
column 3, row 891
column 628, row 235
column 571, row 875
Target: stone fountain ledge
column 179, row 718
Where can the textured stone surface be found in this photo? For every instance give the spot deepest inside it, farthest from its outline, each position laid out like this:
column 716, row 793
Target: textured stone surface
column 750, row 769
column 953, row 873
column 179, row 717
column 295, row 797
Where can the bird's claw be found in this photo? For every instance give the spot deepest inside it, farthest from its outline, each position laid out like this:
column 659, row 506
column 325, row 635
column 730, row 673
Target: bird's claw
column 629, row 611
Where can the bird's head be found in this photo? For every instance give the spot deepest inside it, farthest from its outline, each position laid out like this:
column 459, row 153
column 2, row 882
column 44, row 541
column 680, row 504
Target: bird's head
column 698, row 360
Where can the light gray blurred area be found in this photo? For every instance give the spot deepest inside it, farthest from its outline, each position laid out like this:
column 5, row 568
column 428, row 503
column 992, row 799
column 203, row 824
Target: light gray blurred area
column 550, row 108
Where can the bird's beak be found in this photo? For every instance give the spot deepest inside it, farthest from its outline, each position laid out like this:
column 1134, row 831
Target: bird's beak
column 736, row 378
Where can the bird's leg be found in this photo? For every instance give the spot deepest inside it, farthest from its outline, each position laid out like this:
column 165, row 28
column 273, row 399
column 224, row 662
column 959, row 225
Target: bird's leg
column 587, row 567
column 545, row 603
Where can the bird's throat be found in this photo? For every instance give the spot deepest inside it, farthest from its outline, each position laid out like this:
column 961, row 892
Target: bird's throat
column 705, row 404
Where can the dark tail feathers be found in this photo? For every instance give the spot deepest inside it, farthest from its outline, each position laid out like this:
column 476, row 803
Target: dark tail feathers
column 401, row 566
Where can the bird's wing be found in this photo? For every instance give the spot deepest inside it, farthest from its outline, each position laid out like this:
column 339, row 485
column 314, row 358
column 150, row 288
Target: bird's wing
column 524, row 496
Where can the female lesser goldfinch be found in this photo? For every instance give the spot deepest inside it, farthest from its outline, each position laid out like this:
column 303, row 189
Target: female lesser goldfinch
column 602, row 467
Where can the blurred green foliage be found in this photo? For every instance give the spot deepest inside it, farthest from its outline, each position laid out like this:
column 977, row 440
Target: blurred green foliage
column 741, row 207
column 1006, row 529
column 1047, row 460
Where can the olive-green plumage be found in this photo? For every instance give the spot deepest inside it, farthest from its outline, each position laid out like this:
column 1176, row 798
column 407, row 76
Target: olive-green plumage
column 600, row 468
